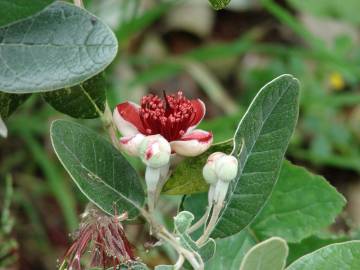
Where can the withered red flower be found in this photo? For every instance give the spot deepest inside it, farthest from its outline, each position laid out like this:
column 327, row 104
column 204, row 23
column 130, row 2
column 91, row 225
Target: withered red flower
column 104, row 237
column 174, row 117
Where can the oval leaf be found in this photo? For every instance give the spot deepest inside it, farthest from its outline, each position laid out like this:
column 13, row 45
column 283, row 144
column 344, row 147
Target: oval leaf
column 98, row 169
column 59, row 47
column 341, row 256
column 13, row 10
column 86, row 100
column 265, row 129
column 268, row 255
column 301, row 204
column 230, row 252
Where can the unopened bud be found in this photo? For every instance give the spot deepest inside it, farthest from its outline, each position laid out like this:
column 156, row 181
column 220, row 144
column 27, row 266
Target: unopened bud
column 209, row 172
column 155, row 151
column 226, row 168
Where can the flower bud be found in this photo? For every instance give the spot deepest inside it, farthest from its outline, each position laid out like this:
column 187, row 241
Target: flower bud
column 209, row 172
column 155, row 151
column 226, row 168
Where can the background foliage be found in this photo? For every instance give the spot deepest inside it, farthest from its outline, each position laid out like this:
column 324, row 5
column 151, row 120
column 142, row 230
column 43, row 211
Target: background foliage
column 223, row 57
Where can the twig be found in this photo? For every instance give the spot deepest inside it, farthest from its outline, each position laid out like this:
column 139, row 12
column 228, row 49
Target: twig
column 79, row 3
column 201, row 221
column 214, row 218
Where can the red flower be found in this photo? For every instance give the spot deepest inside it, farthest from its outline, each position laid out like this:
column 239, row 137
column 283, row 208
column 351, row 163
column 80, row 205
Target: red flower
column 105, row 237
column 175, row 118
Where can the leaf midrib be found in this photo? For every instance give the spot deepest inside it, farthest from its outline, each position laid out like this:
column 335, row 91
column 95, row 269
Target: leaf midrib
column 83, row 166
column 257, row 136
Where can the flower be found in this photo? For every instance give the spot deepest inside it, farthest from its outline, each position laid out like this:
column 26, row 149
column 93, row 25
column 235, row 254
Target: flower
column 174, row 117
column 104, row 236
column 155, row 151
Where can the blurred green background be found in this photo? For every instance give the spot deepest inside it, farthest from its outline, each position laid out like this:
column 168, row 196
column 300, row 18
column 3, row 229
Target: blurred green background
column 224, row 57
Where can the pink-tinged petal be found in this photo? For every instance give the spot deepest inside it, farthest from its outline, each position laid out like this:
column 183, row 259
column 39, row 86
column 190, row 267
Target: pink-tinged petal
column 130, row 144
column 192, row 144
column 199, row 113
column 127, row 119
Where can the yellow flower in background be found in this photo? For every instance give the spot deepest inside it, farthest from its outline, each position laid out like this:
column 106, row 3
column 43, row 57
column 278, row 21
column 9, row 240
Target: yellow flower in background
column 336, row 81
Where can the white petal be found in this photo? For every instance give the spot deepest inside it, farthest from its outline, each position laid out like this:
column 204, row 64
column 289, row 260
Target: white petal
column 126, row 128
column 192, row 144
column 131, row 144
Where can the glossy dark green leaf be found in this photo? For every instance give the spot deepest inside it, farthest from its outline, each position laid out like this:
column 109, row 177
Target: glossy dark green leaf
column 98, row 169
column 85, row 100
column 10, row 102
column 59, row 47
column 301, row 204
column 262, row 137
column 13, row 10
column 219, row 4
column 341, row 256
column 187, row 177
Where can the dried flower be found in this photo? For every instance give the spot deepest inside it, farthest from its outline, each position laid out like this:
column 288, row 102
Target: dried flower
column 104, row 237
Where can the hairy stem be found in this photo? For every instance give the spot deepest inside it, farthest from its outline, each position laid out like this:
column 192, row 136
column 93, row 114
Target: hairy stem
column 210, row 227
column 179, row 262
column 164, row 175
column 109, row 126
column 78, row 3
column 201, row 221
column 193, row 258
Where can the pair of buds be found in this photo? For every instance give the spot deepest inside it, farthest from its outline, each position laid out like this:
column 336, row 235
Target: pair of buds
column 219, row 170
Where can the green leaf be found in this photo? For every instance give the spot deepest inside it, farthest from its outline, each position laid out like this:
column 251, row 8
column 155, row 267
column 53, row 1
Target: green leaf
column 10, row 102
column 265, row 131
column 59, row 47
column 187, row 177
column 342, row 256
column 301, row 204
column 164, row 267
column 268, row 255
column 314, row 242
column 219, row 4
column 230, row 252
column 222, row 127
column 98, row 169
column 85, row 100
column 13, row 10
column 182, row 222
column 139, row 23
column 128, row 266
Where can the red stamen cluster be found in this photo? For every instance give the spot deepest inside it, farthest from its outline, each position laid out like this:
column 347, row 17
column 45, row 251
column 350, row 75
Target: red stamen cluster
column 105, row 237
column 169, row 117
